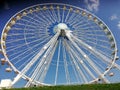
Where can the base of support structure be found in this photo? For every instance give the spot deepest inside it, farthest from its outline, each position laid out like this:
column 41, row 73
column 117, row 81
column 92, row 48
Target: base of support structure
column 6, row 83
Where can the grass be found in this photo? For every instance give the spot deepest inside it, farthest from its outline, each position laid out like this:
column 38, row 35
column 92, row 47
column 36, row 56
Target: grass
column 75, row 87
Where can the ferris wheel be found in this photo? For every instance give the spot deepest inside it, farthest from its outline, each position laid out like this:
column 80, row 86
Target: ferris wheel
column 58, row 44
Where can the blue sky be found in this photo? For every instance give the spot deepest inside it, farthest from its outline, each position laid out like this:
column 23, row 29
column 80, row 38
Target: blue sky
column 106, row 10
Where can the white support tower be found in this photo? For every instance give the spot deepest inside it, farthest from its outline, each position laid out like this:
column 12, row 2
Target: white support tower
column 6, row 83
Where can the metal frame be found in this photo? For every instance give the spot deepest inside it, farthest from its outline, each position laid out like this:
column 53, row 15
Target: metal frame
column 71, row 47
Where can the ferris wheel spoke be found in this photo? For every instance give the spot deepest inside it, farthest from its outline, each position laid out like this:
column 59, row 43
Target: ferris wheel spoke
column 80, row 73
column 117, row 66
column 49, row 59
column 19, row 34
column 92, row 64
column 108, row 56
column 38, row 42
column 40, row 34
column 28, row 22
column 41, row 20
column 100, row 65
column 47, row 17
column 91, row 35
column 24, row 52
column 71, row 60
column 76, row 20
column 54, row 14
column 63, row 15
column 80, row 28
column 81, row 62
column 70, row 18
column 84, row 55
column 102, row 57
column 13, row 59
column 89, row 38
column 31, row 17
column 58, row 59
column 43, row 49
column 66, row 18
column 28, row 60
column 100, row 46
column 105, row 54
column 85, row 25
column 92, row 50
column 50, row 16
column 17, row 53
column 97, row 63
column 27, row 67
column 29, row 35
column 58, row 14
column 22, row 45
column 93, row 41
column 26, row 29
column 81, row 24
column 40, row 69
column 97, row 69
column 74, row 70
column 30, row 74
column 30, row 56
column 25, row 25
column 65, row 64
column 44, row 17
column 96, row 30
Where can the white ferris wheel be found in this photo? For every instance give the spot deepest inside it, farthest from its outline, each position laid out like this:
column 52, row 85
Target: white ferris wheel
column 58, row 44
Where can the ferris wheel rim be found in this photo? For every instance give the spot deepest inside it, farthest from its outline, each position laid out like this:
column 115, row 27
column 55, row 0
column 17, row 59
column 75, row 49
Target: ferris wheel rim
column 15, row 69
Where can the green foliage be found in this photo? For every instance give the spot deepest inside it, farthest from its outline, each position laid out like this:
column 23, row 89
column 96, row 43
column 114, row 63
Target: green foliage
column 75, row 87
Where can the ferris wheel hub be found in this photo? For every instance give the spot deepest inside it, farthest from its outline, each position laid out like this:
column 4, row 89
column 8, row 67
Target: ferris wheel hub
column 60, row 27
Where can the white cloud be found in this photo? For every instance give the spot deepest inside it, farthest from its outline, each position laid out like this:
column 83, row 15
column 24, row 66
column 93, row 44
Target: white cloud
column 118, row 25
column 114, row 17
column 92, row 5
